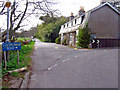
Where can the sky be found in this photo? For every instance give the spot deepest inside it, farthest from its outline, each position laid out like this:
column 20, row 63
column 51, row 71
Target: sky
column 68, row 6
column 65, row 7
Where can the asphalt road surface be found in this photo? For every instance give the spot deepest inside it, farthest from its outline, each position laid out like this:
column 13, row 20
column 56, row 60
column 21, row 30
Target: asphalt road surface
column 58, row 66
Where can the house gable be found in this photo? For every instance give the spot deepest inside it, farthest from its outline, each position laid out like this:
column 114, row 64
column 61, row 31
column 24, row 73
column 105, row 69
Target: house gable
column 104, row 22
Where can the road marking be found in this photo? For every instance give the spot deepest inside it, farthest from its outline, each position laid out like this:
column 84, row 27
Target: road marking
column 60, row 57
column 55, row 65
column 75, row 48
column 76, row 56
column 56, row 47
column 52, row 67
column 49, row 68
column 66, row 60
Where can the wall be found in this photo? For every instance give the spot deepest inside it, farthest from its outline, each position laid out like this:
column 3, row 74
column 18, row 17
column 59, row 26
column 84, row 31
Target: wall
column 119, row 26
column 104, row 22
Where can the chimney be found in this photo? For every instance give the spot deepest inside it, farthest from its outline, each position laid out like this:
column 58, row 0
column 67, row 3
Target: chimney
column 81, row 11
column 72, row 16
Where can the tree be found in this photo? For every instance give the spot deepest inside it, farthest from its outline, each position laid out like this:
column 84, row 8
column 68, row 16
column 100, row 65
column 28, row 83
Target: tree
column 83, row 37
column 18, row 15
column 49, row 30
column 48, row 19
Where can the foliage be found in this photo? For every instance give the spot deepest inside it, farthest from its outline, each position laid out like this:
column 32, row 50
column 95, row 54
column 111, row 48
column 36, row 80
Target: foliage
column 48, row 19
column 64, row 41
column 57, row 40
column 48, row 32
column 5, row 87
column 23, row 39
column 83, row 37
column 19, row 15
column 15, row 74
column 24, row 58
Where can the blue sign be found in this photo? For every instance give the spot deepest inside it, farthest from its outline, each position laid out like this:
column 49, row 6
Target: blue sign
column 11, row 46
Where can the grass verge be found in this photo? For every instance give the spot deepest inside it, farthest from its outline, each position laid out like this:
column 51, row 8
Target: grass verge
column 24, row 58
column 22, row 39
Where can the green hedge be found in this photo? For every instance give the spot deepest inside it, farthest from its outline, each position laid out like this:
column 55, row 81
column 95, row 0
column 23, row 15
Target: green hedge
column 83, row 37
column 57, row 40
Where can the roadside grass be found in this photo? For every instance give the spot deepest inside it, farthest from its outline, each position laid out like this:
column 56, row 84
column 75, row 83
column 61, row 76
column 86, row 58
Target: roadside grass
column 15, row 74
column 23, row 39
column 24, row 58
column 41, row 40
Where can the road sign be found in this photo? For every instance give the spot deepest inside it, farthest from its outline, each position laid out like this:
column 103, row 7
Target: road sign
column 93, row 41
column 11, row 46
column 7, row 4
column 98, row 41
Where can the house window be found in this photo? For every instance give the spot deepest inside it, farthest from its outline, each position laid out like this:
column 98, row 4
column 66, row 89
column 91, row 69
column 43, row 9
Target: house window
column 82, row 18
column 64, row 26
column 71, row 23
column 67, row 24
column 75, row 21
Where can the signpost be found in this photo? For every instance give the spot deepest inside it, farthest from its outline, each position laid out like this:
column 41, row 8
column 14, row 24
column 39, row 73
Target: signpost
column 93, row 41
column 11, row 46
column 7, row 46
column 98, row 43
column 7, row 5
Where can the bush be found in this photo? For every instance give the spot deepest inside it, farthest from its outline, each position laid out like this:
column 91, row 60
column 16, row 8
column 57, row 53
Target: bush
column 57, row 40
column 22, row 43
column 64, row 42
column 83, row 37
column 15, row 74
column 48, row 31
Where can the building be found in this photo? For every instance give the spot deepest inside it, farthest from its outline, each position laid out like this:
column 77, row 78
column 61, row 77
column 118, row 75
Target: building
column 103, row 21
column 115, row 3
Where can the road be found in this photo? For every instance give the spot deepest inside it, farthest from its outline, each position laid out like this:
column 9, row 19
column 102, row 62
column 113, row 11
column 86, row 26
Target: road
column 58, row 66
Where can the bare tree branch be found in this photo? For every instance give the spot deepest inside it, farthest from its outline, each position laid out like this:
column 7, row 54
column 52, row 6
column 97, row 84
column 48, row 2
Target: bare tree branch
column 17, row 15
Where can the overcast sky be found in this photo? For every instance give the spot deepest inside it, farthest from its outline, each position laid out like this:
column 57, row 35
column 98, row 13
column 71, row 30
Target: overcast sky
column 68, row 6
column 65, row 7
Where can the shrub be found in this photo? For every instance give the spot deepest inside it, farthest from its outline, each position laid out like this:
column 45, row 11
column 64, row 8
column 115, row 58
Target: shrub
column 15, row 74
column 22, row 43
column 48, row 31
column 57, row 40
column 64, row 42
column 83, row 37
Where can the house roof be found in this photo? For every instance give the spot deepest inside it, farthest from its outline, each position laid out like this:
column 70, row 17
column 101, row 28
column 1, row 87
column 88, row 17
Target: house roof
column 87, row 14
column 104, row 5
